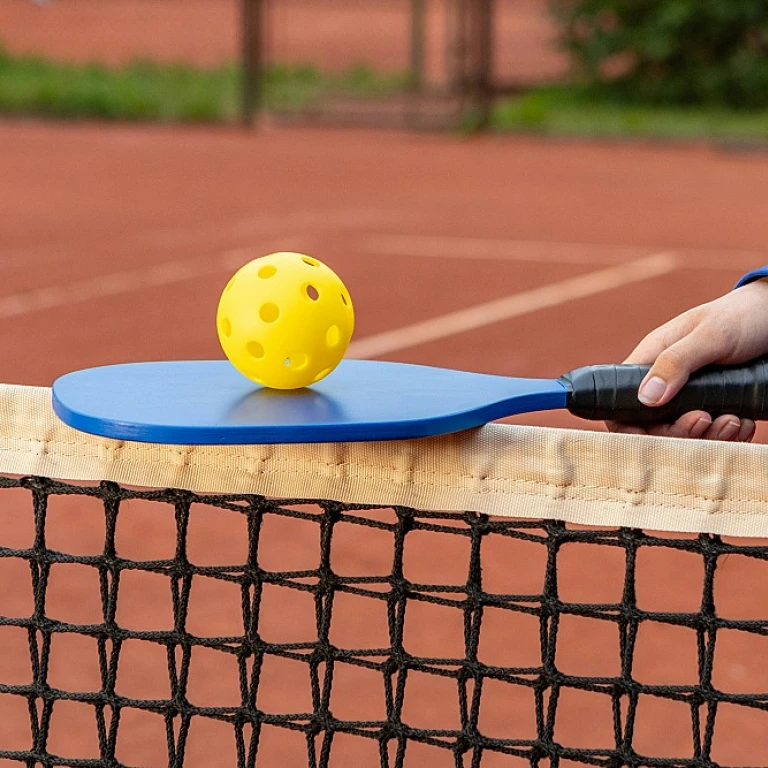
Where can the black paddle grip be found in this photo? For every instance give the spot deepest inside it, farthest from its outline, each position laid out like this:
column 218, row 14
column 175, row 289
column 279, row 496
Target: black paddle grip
column 609, row 392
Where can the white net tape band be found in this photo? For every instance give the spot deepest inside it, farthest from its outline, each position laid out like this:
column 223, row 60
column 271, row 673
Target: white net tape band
column 582, row 477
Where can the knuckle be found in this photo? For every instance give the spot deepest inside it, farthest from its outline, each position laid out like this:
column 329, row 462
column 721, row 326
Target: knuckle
column 671, row 360
column 721, row 338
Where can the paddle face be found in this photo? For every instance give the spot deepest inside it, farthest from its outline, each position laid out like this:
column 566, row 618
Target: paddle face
column 209, row 403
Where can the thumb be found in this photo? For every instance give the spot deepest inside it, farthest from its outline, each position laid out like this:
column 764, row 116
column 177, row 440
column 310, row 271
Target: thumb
column 676, row 363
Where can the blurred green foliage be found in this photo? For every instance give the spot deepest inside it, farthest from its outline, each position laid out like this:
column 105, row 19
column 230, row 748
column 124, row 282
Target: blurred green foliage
column 712, row 52
column 583, row 111
column 153, row 91
column 156, row 92
column 142, row 90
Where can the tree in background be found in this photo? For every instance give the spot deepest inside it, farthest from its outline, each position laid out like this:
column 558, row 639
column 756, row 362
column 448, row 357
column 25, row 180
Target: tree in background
column 712, row 52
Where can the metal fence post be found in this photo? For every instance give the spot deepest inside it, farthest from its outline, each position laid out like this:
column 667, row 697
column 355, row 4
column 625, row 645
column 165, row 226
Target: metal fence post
column 484, row 64
column 459, row 43
column 253, row 39
column 476, row 86
column 418, row 25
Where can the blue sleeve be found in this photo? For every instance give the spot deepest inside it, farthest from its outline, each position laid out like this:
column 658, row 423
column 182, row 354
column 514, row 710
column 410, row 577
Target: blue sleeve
column 755, row 274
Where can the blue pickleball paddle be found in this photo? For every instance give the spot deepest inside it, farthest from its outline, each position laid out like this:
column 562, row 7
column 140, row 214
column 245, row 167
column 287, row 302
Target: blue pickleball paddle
column 210, row 403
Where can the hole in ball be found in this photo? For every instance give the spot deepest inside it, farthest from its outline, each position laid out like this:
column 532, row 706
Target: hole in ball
column 226, row 327
column 313, row 293
column 333, row 336
column 322, row 374
column 297, row 361
column 311, row 262
column 269, row 312
column 344, row 300
column 255, row 349
column 267, row 271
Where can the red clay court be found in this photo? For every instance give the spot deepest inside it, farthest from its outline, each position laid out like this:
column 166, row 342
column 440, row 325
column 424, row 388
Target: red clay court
column 121, row 237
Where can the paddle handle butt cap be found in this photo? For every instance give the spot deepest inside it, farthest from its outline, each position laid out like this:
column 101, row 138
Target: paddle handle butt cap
column 609, row 392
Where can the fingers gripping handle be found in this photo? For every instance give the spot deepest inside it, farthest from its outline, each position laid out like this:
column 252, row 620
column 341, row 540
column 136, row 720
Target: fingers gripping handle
column 609, row 392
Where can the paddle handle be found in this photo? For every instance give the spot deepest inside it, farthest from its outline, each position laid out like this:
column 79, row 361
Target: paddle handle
column 609, row 392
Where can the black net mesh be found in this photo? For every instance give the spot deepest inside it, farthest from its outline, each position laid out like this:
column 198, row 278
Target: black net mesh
column 331, row 634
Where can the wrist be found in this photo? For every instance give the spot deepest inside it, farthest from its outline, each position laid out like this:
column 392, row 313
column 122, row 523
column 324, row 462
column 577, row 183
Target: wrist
column 758, row 286
column 756, row 275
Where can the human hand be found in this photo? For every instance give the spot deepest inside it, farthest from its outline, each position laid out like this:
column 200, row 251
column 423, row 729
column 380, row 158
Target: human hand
column 730, row 330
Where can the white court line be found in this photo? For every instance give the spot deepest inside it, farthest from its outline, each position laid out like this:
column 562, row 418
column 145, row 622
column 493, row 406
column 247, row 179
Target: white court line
column 545, row 297
column 117, row 283
column 499, row 249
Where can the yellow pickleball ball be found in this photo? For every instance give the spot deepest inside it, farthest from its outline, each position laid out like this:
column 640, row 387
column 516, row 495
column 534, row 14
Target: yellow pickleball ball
column 285, row 320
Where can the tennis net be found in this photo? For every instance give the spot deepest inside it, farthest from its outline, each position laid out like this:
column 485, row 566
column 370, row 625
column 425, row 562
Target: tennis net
column 507, row 596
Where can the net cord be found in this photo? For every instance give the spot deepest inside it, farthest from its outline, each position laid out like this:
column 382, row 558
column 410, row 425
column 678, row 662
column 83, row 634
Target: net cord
column 586, row 477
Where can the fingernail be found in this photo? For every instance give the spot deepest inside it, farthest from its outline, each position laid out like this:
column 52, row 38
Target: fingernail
column 652, row 391
column 700, row 427
column 747, row 430
column 728, row 431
